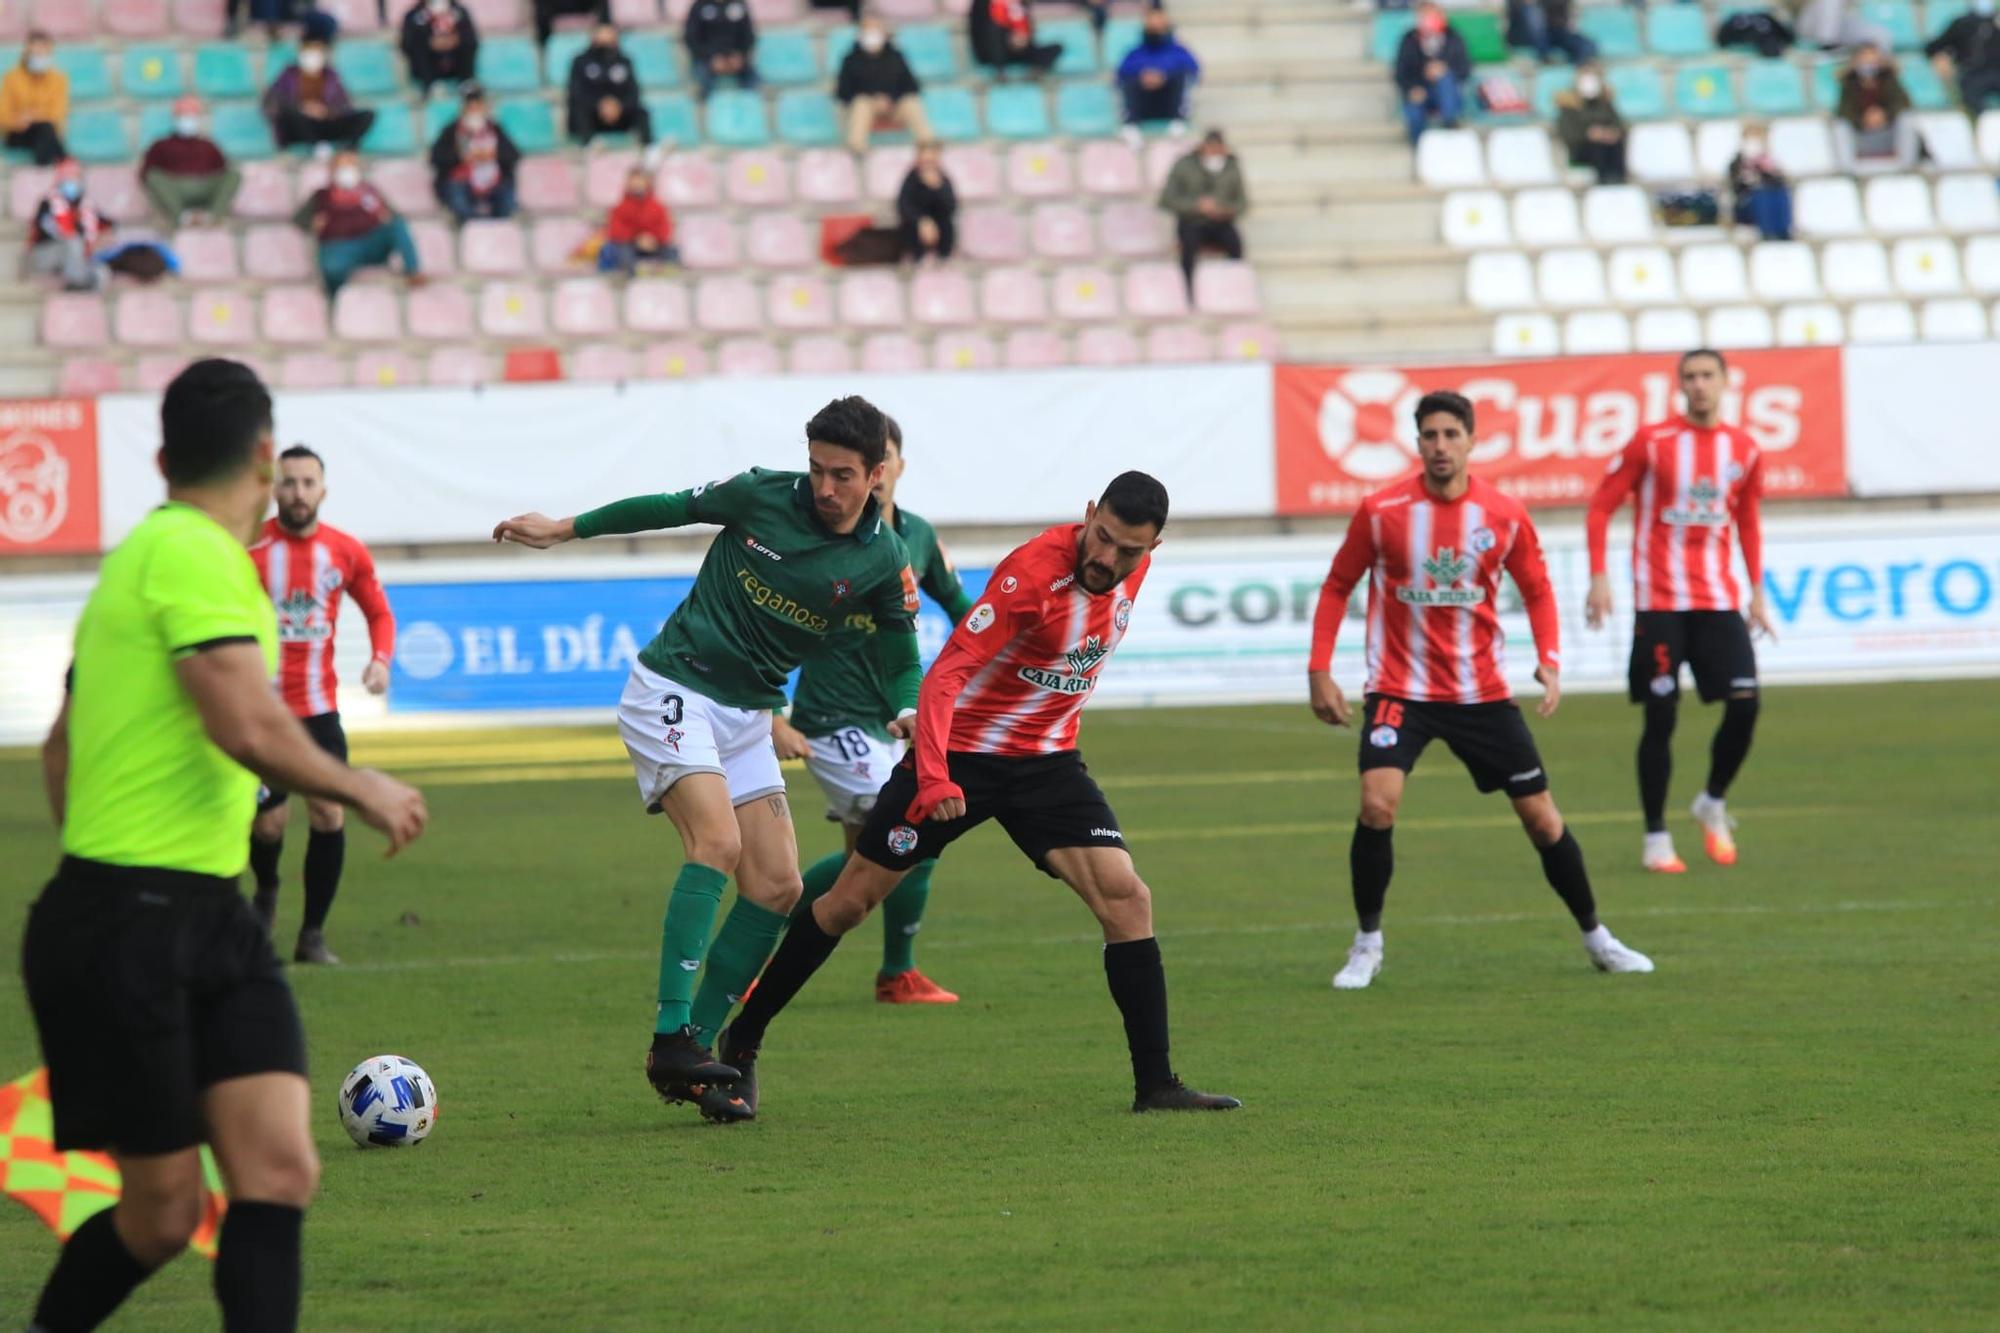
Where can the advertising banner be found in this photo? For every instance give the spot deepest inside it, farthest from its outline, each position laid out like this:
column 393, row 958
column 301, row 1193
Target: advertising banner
column 48, row 476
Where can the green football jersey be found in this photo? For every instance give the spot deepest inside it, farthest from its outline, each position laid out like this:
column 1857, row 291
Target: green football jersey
column 843, row 684
column 773, row 585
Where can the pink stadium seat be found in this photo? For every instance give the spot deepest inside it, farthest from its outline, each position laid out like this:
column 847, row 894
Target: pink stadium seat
column 1161, row 154
column 277, row 253
column 548, row 185
column 1226, row 287
column 13, row 20
column 313, row 175
column 381, row 368
column 493, row 247
column 1035, row 349
column 1039, row 171
column 1108, row 167
column 1061, row 231
column 198, row 18
column 904, row 10
column 828, row 176
column 887, row 165
column 604, row 176
column 512, row 310
column 27, row 187
column 676, row 358
column 1156, row 291
column 634, row 13
column 367, row 312
column 1177, row 344
column 1248, row 342
column 1106, row 347
column 893, row 354
column 941, row 296
column 871, row 301
column 406, row 183
column 64, row 18
column 726, row 305
column 602, row 363
column 207, row 254
column 757, row 179
column 147, row 317
column 689, row 180
column 154, row 373
column 312, row 370
column 656, row 305
column 219, row 317
column 356, row 16
column 116, row 192
column 1085, row 294
column 266, row 191
column 437, row 248
column 1013, row 296
column 87, row 377
column 777, row 11
column 293, row 315
column 748, row 356
column 75, row 319
column 440, row 312
column 1133, row 230
column 585, row 307
column 781, row 240
column 555, row 242
column 800, row 301
column 964, row 351
column 975, row 172
column 820, row 355
column 707, row 241
column 996, row 235
column 500, row 16
column 460, row 367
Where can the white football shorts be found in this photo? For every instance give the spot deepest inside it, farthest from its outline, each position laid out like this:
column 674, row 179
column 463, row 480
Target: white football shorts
column 671, row 731
column 851, row 766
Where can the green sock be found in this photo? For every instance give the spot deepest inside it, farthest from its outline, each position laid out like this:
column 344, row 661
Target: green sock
column 739, row 953
column 684, row 938
column 819, row 877
column 902, row 916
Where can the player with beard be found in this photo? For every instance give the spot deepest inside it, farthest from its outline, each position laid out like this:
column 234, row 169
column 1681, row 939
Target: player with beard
column 306, row 566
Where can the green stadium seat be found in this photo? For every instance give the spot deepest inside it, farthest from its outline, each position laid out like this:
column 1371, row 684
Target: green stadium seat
column 1387, row 36
column 954, row 114
column 1614, row 28
column 1017, row 111
column 1120, row 36
column 1548, row 83
column 223, row 69
column 278, row 57
column 785, row 57
column 929, row 50
column 1637, row 92
column 1087, row 110
column 530, row 123
column 510, row 65
column 1774, row 88
column 1704, row 90
column 89, row 72
column 151, row 70
column 1939, row 14
column 1678, row 30
column 561, row 52
column 806, row 117
column 1826, row 84
column 656, row 61
column 369, row 69
column 156, row 122
column 736, row 119
column 98, row 134
column 1485, row 36
column 1927, row 91
column 437, row 115
column 394, row 133
column 1076, row 38
column 240, row 130
column 1897, row 17
column 675, row 120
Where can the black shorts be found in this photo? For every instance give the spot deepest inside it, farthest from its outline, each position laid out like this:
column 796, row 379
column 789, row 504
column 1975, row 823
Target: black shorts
column 1716, row 644
column 147, row 987
column 1491, row 740
column 326, row 731
column 1044, row 801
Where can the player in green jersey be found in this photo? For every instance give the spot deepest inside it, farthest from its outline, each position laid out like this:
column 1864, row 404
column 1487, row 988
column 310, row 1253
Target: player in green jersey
column 840, row 712
column 801, row 555
column 162, row 1012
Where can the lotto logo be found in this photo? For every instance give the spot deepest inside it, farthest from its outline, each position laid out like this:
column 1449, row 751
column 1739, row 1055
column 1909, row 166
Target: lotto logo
column 1383, row 738
column 902, row 840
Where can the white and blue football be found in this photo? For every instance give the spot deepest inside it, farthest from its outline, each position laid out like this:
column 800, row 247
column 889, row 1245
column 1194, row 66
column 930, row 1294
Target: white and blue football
column 388, row 1102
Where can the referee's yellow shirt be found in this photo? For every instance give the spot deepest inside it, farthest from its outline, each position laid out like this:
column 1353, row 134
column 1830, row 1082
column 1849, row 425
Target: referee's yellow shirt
column 146, row 785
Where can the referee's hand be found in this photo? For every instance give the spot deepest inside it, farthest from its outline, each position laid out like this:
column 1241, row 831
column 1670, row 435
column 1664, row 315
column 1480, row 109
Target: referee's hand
column 393, row 809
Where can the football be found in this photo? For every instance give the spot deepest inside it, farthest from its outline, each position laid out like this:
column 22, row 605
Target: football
column 388, row 1102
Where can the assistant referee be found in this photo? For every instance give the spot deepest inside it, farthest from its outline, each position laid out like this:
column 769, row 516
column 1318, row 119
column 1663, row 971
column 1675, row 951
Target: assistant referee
column 163, row 1015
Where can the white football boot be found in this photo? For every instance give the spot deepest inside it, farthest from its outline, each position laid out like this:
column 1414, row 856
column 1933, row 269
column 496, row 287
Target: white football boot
column 1659, row 855
column 1718, row 830
column 1364, row 960
column 1610, row 956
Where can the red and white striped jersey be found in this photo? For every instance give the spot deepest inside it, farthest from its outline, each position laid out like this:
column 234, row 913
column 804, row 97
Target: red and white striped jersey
column 1690, row 485
column 305, row 577
column 1013, row 677
column 1433, row 570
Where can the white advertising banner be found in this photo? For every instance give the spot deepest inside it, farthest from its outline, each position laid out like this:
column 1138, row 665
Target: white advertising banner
column 1918, row 419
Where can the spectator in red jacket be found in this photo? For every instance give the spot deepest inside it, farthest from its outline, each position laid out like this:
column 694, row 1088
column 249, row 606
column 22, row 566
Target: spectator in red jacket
column 1002, row 33
column 355, row 226
column 639, row 230
column 185, row 174
column 67, row 232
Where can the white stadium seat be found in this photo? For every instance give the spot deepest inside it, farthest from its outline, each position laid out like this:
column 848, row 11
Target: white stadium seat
column 1643, row 275
column 1810, row 324
column 1955, row 320
column 1525, row 335
column 1783, row 271
column 1926, row 266
column 1568, row 278
column 1520, row 156
column 1854, row 269
column 1500, row 280
column 1968, row 203
column 1828, row 207
column 1593, row 332
column 1617, row 214
column 1739, row 326
column 1713, row 275
column 1450, row 158
column 1982, row 264
column 1475, row 218
column 1660, row 152
column 1948, row 141
column 1989, row 137
column 1546, row 217
column 1802, row 146
column 1899, row 205
column 1881, row 322
column 1715, row 144
column 1674, row 329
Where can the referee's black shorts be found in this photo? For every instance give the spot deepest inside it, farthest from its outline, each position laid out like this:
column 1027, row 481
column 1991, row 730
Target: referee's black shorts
column 1044, row 801
column 329, row 735
column 149, row 986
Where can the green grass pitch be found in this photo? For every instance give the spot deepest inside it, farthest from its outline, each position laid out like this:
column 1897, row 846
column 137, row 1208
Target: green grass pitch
column 1795, row 1122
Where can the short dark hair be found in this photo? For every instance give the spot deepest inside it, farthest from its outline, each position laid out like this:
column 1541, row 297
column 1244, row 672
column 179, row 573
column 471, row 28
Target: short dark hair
column 1137, row 499
column 852, row 423
column 892, row 431
column 302, row 451
column 1444, row 400
column 1721, row 362
column 211, row 418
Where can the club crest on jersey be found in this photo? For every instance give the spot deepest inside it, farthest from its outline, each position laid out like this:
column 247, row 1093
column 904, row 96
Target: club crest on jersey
column 1701, row 506
column 299, row 618
column 673, row 738
column 902, row 840
column 1446, row 568
column 1123, row 616
column 1481, row 541
column 1383, row 738
column 841, row 589
column 329, row 582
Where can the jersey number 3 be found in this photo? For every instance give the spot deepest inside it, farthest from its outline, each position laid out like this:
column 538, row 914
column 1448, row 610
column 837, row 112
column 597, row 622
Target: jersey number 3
column 672, row 703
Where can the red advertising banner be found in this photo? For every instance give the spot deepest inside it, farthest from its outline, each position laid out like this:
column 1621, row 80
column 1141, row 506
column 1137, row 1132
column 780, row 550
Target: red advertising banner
column 48, row 476
column 1545, row 428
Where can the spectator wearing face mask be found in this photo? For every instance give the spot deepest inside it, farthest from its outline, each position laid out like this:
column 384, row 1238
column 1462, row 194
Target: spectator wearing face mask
column 877, row 88
column 639, row 230
column 1002, row 34
column 1205, row 193
column 1761, row 196
column 34, row 101
column 473, row 162
column 1590, row 127
column 67, row 231
column 548, row 11
column 309, row 104
column 440, row 42
column 1873, row 130
column 355, row 227
column 604, row 91
column 185, row 173
column 1432, row 67
column 927, row 207
column 1970, row 47
column 721, row 42
column 1156, row 77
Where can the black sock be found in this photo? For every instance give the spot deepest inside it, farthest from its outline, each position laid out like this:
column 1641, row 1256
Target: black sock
column 1656, row 761
column 1732, row 743
column 1371, row 858
column 94, row 1274
column 1139, row 986
column 257, row 1267
column 264, row 855
column 325, row 854
column 805, row 947
column 1562, row 862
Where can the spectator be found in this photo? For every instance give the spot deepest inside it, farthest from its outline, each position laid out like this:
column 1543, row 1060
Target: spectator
column 1002, row 33
column 927, row 207
column 877, row 88
column 440, row 42
column 1156, row 77
column 547, row 11
column 66, row 232
column 473, row 161
column 1205, row 193
column 1100, row 10
column 604, row 91
column 639, row 230
column 1431, row 68
column 721, row 43
column 34, row 101
column 355, row 226
column 185, row 174
column 1548, row 26
column 309, row 104
column 1872, row 127
column 1589, row 125
column 1970, row 46
column 271, row 13
column 1762, row 198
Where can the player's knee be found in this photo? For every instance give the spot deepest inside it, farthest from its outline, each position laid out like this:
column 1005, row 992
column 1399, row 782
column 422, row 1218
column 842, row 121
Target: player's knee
column 842, row 908
column 269, row 825
column 1543, row 822
column 1378, row 811
column 1126, row 901
column 326, row 817
column 1661, row 714
column 718, row 850
column 774, row 893
column 1741, row 706
column 287, row 1174
column 157, row 1227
